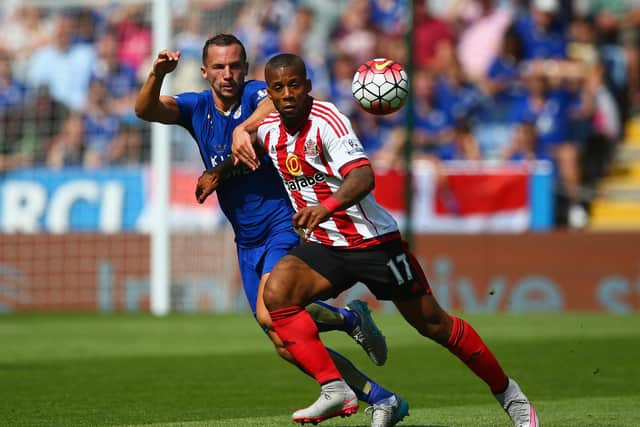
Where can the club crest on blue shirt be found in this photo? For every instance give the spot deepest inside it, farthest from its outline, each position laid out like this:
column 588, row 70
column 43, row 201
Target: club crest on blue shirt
column 310, row 147
column 238, row 113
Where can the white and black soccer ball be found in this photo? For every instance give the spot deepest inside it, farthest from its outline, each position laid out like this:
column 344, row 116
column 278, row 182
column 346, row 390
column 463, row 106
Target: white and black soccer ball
column 380, row 86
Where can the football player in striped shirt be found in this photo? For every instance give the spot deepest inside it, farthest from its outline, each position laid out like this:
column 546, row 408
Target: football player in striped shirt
column 349, row 239
column 255, row 202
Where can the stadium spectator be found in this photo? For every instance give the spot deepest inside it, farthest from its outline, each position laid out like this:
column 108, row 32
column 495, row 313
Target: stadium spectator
column 100, row 124
column 617, row 33
column 542, row 33
column 456, row 95
column 39, row 120
column 297, row 38
column 389, row 17
column 188, row 41
column 433, row 126
column 12, row 96
column 254, row 201
column 481, row 39
column 433, row 39
column 502, row 80
column 12, row 91
column 62, row 67
column 134, row 35
column 340, row 218
column 24, row 30
column 501, row 85
column 120, row 80
column 463, row 145
column 353, row 35
column 602, row 129
column 341, row 78
column 522, row 147
column 128, row 147
column 67, row 147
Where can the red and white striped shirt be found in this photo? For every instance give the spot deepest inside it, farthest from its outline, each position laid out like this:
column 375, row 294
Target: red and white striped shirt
column 313, row 163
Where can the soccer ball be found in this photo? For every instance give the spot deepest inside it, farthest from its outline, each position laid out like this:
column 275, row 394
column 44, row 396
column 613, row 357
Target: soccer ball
column 380, row 86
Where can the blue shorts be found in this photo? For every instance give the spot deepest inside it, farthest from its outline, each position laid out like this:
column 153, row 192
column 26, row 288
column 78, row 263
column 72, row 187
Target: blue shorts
column 256, row 261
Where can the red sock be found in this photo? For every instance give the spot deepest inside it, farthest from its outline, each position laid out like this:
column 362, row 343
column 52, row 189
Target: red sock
column 299, row 334
column 465, row 343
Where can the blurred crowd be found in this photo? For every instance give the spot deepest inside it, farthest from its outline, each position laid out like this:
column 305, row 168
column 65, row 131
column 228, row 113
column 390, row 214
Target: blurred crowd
column 492, row 80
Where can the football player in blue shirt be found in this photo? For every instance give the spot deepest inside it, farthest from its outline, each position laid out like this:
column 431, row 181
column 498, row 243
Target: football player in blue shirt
column 255, row 202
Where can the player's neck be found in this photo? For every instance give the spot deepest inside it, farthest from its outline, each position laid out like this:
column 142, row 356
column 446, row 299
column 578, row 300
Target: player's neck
column 223, row 105
column 295, row 124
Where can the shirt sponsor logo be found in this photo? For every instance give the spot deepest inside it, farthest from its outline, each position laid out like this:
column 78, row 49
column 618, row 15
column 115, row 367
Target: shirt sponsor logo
column 300, row 182
column 294, row 166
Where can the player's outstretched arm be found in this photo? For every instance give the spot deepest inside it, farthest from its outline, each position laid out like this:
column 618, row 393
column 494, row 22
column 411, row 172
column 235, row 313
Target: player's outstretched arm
column 150, row 106
column 244, row 144
column 357, row 184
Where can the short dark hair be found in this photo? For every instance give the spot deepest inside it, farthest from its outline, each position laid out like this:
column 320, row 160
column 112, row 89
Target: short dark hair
column 223, row 40
column 287, row 60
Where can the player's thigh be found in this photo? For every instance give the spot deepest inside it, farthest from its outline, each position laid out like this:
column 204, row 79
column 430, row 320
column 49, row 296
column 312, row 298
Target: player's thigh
column 294, row 282
column 389, row 270
column 249, row 260
column 262, row 314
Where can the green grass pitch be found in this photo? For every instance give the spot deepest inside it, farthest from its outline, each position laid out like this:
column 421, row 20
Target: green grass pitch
column 214, row 370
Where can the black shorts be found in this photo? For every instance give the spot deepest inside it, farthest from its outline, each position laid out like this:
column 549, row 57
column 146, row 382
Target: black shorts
column 389, row 270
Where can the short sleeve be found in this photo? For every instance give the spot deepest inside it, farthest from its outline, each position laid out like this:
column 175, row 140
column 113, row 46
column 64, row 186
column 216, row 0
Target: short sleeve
column 257, row 92
column 186, row 104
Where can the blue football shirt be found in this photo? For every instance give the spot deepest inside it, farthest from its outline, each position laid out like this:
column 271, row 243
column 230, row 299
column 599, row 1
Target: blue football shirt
column 255, row 203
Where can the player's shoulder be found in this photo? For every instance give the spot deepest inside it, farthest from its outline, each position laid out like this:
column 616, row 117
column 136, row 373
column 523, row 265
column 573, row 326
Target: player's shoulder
column 193, row 97
column 327, row 115
column 252, row 87
column 269, row 122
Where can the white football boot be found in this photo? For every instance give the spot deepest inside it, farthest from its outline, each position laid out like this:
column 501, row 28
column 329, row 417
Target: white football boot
column 516, row 404
column 367, row 334
column 388, row 412
column 336, row 400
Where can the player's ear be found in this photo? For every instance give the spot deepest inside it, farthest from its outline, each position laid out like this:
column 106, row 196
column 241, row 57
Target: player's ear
column 203, row 72
column 308, row 85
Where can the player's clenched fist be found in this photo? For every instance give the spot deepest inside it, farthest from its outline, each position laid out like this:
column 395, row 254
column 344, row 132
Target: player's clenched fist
column 166, row 61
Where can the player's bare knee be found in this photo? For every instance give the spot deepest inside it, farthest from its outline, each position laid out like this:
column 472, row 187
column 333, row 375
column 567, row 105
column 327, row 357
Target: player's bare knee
column 272, row 295
column 278, row 289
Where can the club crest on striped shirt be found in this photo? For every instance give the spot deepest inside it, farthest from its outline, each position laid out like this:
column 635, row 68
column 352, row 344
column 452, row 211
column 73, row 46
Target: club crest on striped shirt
column 310, row 147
